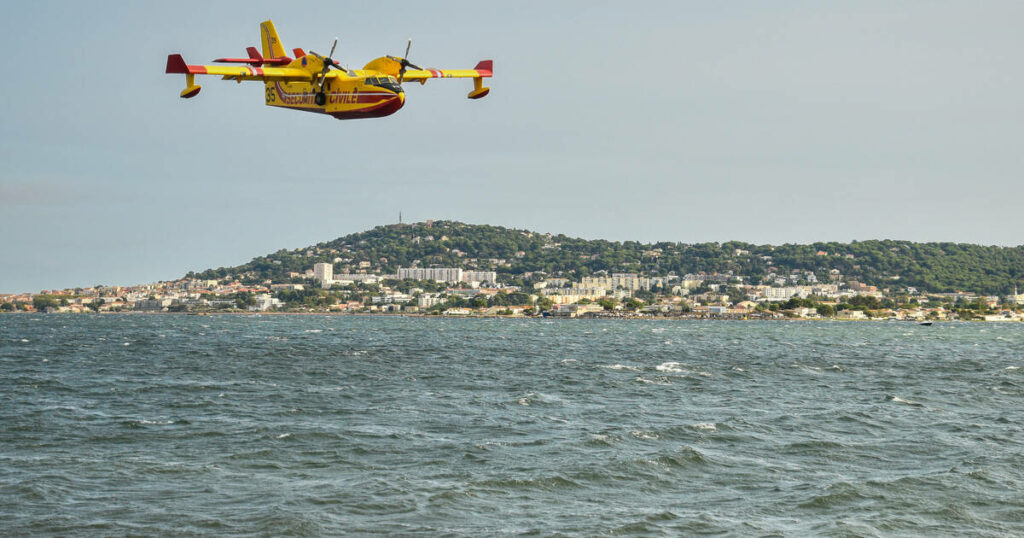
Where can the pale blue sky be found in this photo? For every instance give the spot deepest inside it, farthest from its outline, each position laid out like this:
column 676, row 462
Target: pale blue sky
column 767, row 122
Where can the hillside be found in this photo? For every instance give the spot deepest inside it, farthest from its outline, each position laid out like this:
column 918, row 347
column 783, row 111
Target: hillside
column 933, row 267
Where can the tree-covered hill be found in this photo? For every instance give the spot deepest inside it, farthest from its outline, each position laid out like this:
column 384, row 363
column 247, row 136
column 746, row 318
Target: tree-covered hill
column 933, row 267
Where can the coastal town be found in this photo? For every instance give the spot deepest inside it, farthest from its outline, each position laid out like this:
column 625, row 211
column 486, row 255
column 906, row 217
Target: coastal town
column 452, row 291
column 448, row 268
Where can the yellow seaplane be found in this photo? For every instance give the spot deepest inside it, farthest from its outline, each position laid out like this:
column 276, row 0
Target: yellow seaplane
column 315, row 83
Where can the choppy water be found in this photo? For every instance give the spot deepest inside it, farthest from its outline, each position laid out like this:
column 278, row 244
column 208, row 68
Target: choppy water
column 281, row 425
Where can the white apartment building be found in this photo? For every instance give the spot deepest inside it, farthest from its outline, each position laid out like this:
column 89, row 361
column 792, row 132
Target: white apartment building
column 265, row 302
column 480, row 276
column 627, row 281
column 324, row 273
column 630, row 281
column 779, row 294
column 572, row 295
column 391, row 298
column 196, row 284
column 348, row 278
column 769, row 293
column 437, row 274
column 427, row 301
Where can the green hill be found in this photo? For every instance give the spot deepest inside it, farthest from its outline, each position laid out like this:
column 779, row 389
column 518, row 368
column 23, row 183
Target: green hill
column 933, row 267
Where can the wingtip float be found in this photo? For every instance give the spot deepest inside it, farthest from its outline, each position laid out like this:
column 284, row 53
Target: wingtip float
column 312, row 82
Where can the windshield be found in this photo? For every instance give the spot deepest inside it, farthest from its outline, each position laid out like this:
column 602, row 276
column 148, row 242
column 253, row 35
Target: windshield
column 388, row 83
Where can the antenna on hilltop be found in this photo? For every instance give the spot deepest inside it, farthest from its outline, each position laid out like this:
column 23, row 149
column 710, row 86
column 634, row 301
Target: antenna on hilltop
column 399, row 217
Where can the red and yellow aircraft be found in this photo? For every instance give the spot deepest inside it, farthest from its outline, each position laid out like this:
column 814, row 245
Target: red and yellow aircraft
column 308, row 83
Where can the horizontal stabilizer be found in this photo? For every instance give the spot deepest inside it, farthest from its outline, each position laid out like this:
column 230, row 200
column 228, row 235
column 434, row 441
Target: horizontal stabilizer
column 257, row 63
column 255, row 58
column 176, row 64
column 249, row 61
column 254, row 54
column 486, row 68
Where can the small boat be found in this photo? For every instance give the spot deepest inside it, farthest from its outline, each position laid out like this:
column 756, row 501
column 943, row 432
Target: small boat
column 926, row 323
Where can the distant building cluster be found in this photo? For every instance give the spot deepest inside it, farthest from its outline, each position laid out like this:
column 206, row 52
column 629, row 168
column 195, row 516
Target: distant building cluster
column 455, row 291
column 449, row 275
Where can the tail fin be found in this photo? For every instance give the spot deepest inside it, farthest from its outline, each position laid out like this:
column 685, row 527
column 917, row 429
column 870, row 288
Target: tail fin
column 485, row 65
column 272, row 47
column 176, row 64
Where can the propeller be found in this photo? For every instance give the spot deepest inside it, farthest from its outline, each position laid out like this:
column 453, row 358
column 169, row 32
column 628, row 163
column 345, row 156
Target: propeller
column 328, row 64
column 404, row 62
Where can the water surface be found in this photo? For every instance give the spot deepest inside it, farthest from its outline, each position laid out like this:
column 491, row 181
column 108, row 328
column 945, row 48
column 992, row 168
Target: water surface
column 313, row 425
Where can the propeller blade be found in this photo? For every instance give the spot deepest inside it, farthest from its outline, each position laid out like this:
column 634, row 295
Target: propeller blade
column 328, row 62
column 405, row 62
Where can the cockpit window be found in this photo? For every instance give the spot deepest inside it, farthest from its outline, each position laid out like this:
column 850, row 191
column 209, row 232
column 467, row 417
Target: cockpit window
column 388, row 83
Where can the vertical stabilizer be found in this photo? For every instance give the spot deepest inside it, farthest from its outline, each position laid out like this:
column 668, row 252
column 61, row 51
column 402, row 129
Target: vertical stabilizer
column 272, row 47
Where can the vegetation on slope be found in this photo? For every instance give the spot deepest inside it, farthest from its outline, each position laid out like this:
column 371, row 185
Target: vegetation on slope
column 933, row 267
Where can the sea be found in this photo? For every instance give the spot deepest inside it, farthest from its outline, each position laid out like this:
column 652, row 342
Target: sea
column 280, row 425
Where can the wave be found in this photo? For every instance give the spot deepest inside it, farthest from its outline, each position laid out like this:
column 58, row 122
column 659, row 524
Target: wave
column 602, row 439
column 813, row 447
column 621, row 367
column 658, row 381
column 532, row 398
column 897, row 399
column 839, row 494
column 556, row 482
column 146, row 422
column 686, row 456
column 809, row 369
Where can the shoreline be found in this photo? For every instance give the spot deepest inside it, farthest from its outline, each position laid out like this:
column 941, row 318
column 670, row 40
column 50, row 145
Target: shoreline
column 487, row 316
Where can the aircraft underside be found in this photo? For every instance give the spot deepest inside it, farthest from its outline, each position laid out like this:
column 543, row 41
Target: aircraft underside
column 342, row 105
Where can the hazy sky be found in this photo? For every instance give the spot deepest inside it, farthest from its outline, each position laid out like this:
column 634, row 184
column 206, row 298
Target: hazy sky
column 767, row 122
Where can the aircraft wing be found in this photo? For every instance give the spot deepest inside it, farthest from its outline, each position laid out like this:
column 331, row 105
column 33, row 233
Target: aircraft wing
column 176, row 64
column 483, row 69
